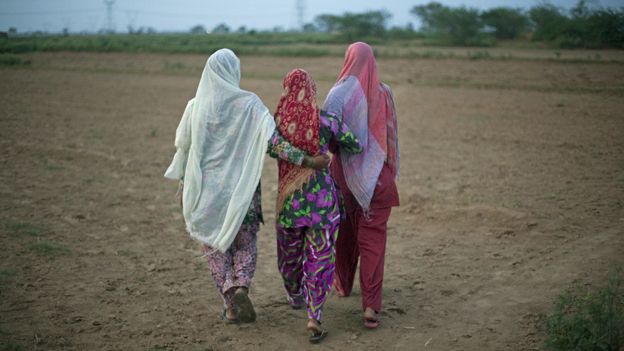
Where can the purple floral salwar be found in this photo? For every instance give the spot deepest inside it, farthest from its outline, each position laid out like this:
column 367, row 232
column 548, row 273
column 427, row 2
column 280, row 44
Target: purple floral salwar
column 306, row 262
column 307, row 227
column 235, row 267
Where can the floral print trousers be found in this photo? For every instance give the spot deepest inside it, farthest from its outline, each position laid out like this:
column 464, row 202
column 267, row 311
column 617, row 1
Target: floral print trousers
column 306, row 261
column 236, row 266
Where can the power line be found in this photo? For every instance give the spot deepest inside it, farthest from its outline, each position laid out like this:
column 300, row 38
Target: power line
column 109, row 15
column 300, row 13
column 215, row 15
column 29, row 13
column 137, row 12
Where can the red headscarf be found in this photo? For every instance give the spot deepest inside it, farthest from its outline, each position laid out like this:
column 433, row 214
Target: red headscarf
column 378, row 135
column 297, row 120
column 360, row 62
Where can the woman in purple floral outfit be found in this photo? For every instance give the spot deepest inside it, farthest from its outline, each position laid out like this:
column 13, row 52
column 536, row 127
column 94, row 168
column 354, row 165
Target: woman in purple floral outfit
column 309, row 206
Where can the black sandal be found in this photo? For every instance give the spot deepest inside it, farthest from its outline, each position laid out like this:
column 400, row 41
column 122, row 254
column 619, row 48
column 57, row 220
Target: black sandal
column 317, row 335
column 296, row 303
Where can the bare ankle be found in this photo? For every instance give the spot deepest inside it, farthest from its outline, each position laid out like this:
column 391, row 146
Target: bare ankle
column 230, row 312
column 369, row 312
column 314, row 324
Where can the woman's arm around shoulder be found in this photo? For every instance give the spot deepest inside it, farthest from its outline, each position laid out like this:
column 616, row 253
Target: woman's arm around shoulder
column 341, row 134
column 281, row 149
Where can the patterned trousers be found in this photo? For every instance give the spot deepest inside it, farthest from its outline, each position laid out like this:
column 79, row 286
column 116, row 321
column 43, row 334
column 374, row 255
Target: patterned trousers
column 306, row 261
column 236, row 266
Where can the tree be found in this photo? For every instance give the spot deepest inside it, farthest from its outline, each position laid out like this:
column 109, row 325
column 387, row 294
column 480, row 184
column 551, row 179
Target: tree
column 328, row 23
column 309, row 27
column 607, row 28
column 593, row 27
column 431, row 15
column 547, row 21
column 581, row 10
column 355, row 26
column 507, row 23
column 406, row 32
column 198, row 29
column 461, row 25
column 367, row 24
column 221, row 28
column 465, row 25
column 584, row 26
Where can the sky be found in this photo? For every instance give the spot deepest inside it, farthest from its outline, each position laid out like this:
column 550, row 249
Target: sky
column 181, row 15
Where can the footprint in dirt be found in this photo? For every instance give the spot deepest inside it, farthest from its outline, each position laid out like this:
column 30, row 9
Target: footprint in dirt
column 417, row 285
column 397, row 310
column 446, row 292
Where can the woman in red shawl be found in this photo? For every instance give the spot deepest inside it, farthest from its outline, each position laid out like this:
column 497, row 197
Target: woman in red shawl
column 366, row 180
column 308, row 203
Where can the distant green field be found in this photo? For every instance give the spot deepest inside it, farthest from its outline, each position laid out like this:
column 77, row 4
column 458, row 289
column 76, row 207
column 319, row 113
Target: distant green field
column 259, row 43
column 271, row 44
column 288, row 44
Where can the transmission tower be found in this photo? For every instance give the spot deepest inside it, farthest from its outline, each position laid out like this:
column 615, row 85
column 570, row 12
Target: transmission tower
column 110, row 27
column 300, row 13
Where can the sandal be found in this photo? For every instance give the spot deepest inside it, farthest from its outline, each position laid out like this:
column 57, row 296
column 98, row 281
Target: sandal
column 228, row 320
column 246, row 312
column 371, row 322
column 296, row 306
column 296, row 303
column 318, row 333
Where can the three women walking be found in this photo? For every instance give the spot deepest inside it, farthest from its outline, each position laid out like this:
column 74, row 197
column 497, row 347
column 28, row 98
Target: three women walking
column 221, row 141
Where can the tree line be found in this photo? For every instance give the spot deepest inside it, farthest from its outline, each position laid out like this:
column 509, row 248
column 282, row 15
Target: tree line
column 583, row 26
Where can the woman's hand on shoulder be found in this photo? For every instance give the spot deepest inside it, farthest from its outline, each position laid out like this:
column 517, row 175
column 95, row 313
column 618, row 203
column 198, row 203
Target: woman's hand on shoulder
column 316, row 162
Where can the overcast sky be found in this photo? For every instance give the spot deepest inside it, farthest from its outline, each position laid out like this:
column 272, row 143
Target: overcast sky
column 180, row 15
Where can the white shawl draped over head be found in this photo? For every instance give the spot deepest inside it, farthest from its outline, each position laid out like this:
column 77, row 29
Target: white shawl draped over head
column 221, row 142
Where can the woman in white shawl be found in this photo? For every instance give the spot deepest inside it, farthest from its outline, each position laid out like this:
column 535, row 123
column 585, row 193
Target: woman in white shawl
column 221, row 142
